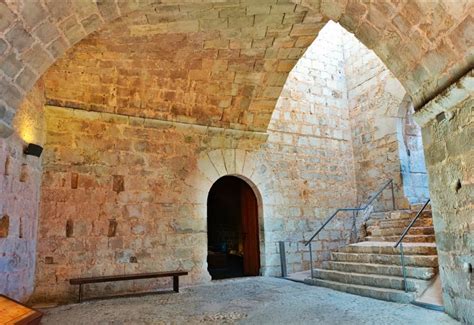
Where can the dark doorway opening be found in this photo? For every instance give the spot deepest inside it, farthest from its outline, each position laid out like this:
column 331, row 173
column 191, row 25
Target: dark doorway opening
column 232, row 229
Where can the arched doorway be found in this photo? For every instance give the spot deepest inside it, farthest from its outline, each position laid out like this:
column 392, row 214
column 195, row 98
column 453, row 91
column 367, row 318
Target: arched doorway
column 233, row 230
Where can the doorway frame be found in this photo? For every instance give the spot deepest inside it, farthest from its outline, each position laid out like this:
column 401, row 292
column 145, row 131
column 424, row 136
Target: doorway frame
column 261, row 228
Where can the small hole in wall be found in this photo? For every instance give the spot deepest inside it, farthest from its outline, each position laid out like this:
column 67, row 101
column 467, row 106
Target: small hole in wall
column 4, row 226
column 7, row 166
column 112, row 228
column 118, row 183
column 24, row 173
column 69, row 228
column 440, row 117
column 74, row 180
column 133, row 259
column 48, row 260
column 20, row 229
column 458, row 186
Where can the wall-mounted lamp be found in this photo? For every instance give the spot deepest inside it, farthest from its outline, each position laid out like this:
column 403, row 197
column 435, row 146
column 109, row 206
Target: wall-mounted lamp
column 33, row 150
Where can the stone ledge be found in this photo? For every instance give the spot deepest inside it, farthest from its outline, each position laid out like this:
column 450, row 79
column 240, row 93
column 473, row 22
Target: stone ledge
column 447, row 100
column 155, row 123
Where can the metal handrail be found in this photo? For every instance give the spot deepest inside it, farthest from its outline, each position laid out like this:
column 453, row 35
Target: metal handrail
column 407, row 229
column 377, row 194
column 400, row 242
column 372, row 199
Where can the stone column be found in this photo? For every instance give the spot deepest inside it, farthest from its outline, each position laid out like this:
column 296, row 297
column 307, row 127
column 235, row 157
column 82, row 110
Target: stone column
column 448, row 137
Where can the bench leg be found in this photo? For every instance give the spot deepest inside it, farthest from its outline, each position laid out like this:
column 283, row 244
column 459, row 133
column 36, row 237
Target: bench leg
column 176, row 283
column 80, row 293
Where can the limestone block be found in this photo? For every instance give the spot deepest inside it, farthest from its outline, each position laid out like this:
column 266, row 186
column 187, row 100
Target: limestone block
column 239, row 160
column 5, row 129
column 229, row 160
column 249, row 165
column 207, row 168
column 217, row 159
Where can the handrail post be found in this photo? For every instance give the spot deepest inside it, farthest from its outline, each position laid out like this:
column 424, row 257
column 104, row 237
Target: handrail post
column 393, row 196
column 404, row 271
column 284, row 272
column 311, row 260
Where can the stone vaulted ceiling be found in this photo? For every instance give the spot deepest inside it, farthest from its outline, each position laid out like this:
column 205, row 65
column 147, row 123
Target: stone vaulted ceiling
column 219, row 63
column 214, row 64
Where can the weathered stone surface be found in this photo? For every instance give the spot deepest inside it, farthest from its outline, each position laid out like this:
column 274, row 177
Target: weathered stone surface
column 288, row 303
column 20, row 179
column 19, row 38
column 33, row 13
column 168, row 168
column 6, row 16
column 386, row 141
column 374, row 268
column 451, row 190
column 190, row 65
column 415, row 26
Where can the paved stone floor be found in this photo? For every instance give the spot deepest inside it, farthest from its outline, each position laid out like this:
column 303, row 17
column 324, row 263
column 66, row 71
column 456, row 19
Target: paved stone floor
column 260, row 300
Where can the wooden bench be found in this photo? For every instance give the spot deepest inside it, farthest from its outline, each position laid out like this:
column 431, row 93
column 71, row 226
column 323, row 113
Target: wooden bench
column 111, row 278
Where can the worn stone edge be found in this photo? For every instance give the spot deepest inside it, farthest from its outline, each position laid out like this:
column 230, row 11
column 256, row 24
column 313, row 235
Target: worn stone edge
column 446, row 100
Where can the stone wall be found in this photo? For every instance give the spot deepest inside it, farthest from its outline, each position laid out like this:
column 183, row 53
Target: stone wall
column 20, row 179
column 123, row 194
column 212, row 64
column 425, row 44
column 448, row 134
column 412, row 158
column 378, row 108
column 310, row 132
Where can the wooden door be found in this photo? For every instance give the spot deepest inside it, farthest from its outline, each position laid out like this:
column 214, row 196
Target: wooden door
column 251, row 243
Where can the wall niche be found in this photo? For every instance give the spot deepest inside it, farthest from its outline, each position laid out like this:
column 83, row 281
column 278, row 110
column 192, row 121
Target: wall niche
column 4, row 226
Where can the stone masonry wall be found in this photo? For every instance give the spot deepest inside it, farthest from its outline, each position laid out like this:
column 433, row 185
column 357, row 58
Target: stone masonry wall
column 412, row 158
column 376, row 100
column 449, row 151
column 212, row 64
column 310, row 141
column 20, row 179
column 123, row 194
column 426, row 44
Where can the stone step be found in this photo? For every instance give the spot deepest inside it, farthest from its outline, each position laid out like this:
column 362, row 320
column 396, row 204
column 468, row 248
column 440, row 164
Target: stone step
column 399, row 215
column 387, row 248
column 380, row 215
column 389, row 223
column 418, row 206
column 390, row 259
column 361, row 290
column 407, row 239
column 372, row 280
column 408, row 214
column 376, row 231
column 423, row 273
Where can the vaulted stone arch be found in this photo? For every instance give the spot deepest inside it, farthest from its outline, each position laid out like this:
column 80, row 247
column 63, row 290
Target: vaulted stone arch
column 245, row 51
column 425, row 44
column 34, row 34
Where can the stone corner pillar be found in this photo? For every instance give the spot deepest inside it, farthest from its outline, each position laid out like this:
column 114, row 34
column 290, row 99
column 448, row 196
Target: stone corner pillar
column 447, row 124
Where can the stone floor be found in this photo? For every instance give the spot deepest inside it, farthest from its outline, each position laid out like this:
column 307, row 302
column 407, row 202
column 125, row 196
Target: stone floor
column 260, row 300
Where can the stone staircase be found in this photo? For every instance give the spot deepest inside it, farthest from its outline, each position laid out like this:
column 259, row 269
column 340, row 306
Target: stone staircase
column 373, row 268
